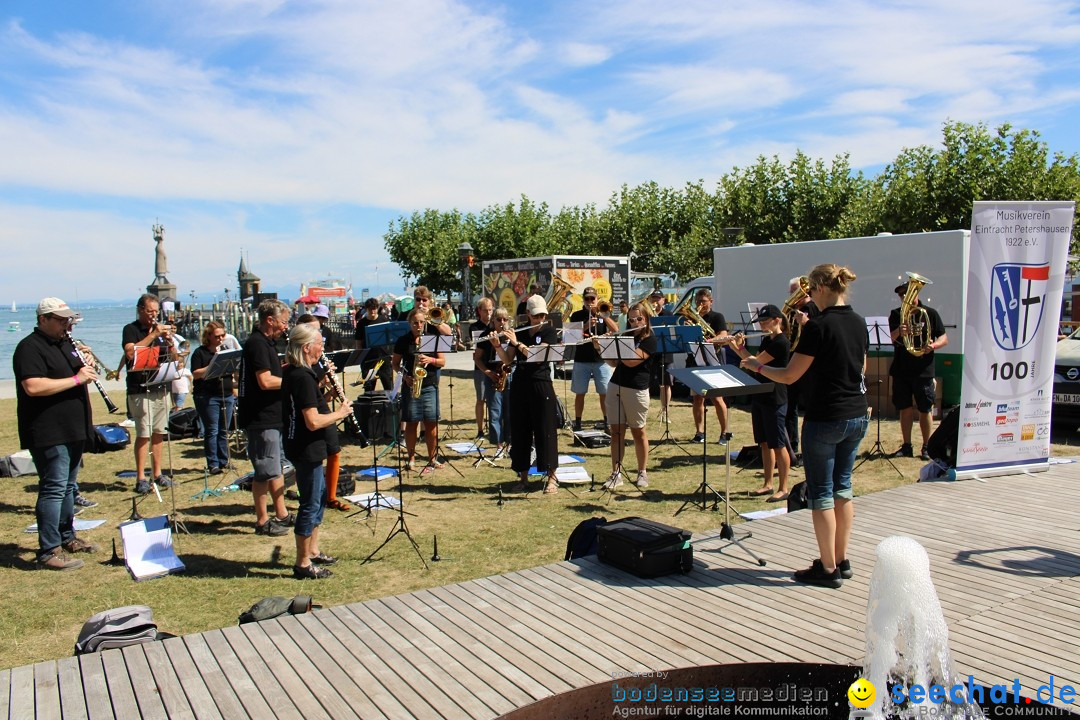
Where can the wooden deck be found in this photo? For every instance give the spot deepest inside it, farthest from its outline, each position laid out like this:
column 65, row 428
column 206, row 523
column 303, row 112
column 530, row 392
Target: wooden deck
column 1003, row 555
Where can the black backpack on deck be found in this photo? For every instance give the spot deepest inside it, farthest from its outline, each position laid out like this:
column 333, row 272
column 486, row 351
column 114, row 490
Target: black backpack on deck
column 582, row 541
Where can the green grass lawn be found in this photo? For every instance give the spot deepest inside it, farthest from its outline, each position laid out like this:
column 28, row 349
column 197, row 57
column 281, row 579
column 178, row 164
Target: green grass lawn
column 229, row 567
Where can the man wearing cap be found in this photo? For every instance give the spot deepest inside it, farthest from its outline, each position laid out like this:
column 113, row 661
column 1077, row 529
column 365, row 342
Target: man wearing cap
column 330, row 340
column 148, row 406
column 587, row 363
column 913, row 375
column 55, row 425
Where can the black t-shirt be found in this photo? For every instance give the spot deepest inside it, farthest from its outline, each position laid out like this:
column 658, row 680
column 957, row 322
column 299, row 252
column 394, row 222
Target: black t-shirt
column 134, row 332
column 779, row 348
column 333, row 438
column 223, row 385
column 330, row 339
column 491, row 359
column 585, row 352
column 905, row 364
column 259, row 409
column 300, row 390
column 535, row 371
column 478, row 327
column 837, row 341
column 637, row 377
column 376, row 352
column 52, row 419
column 405, row 346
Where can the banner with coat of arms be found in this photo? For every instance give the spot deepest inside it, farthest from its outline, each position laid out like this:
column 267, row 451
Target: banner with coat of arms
column 1016, row 274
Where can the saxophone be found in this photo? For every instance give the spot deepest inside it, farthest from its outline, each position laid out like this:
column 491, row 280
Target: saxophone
column 418, row 373
column 500, row 377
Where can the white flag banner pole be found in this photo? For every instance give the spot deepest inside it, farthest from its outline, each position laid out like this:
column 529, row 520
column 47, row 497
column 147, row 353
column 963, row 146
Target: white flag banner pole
column 1016, row 274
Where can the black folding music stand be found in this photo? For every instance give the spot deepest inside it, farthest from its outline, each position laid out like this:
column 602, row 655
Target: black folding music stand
column 617, row 348
column 385, row 335
column 726, row 380
column 673, row 338
column 879, row 337
column 222, row 363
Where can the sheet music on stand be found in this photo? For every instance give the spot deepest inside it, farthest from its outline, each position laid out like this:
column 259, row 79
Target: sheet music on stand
column 430, row 344
column 617, row 348
column 877, row 327
column 222, row 363
column 545, row 353
column 346, row 358
column 754, row 309
column 164, row 374
column 704, row 354
column 573, row 333
column 673, row 337
column 145, row 358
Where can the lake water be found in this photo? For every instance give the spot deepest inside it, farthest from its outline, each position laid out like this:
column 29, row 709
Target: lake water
column 101, row 328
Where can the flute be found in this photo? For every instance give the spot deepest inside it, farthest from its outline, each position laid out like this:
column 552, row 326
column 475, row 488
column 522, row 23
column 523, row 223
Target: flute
column 109, row 404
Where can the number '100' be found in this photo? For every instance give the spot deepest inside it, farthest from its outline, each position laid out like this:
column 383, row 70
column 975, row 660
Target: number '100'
column 1008, row 370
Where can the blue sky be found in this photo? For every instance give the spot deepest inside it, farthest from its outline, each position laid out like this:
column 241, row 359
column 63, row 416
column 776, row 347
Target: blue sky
column 296, row 131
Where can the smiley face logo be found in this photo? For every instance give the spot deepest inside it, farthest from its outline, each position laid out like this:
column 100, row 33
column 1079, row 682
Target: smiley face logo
column 862, row 693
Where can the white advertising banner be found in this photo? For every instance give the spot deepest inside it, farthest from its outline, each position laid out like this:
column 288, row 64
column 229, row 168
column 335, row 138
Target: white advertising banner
column 1016, row 272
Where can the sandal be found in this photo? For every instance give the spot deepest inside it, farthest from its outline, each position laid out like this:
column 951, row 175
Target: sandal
column 338, row 504
column 519, row 487
column 551, row 487
column 778, row 497
column 311, row 572
column 761, row 491
column 323, row 559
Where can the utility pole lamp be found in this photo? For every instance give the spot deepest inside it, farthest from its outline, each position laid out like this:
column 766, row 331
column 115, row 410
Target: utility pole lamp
column 465, row 252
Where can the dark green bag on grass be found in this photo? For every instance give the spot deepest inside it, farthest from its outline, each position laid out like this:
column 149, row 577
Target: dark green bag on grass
column 272, row 607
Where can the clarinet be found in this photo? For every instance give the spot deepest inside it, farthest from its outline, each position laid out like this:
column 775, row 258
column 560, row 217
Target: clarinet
column 339, row 395
column 104, row 395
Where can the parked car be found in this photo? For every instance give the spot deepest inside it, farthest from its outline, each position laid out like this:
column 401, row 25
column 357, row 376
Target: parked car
column 1065, row 414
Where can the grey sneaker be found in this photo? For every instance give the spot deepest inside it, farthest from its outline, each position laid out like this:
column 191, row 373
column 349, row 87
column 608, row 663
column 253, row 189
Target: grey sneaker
column 142, row 487
column 58, row 560
column 84, row 502
column 642, row 480
column 272, row 527
column 613, row 482
column 163, row 481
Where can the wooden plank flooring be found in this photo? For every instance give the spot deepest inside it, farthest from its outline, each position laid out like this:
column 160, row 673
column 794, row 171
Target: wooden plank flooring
column 1005, row 559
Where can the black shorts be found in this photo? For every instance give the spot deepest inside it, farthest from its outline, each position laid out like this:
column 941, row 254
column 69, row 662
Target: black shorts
column 770, row 425
column 906, row 388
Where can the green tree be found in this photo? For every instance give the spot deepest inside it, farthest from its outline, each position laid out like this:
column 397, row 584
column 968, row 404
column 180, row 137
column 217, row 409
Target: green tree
column 425, row 247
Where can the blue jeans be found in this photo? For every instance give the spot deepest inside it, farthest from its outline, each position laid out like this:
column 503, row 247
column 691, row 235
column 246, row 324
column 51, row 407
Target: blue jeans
column 57, row 468
column 496, row 401
column 829, row 450
column 311, row 485
column 215, row 428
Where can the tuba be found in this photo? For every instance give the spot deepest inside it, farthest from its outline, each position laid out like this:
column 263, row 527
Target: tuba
column 693, row 318
column 791, row 311
column 558, row 294
column 917, row 340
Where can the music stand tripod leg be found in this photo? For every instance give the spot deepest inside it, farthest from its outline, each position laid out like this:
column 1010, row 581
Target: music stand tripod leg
column 727, row 531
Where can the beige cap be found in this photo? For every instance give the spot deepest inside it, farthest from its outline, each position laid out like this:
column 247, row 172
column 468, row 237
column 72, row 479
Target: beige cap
column 536, row 305
column 54, row 306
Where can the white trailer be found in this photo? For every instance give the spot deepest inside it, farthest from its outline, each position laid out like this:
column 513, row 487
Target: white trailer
column 747, row 274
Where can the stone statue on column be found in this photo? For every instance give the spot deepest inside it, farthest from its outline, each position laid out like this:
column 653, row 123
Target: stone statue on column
column 161, row 263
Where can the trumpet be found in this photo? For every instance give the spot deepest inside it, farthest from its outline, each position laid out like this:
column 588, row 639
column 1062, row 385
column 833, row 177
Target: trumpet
column 339, row 394
column 791, row 311
column 917, row 340
column 109, row 404
column 99, row 366
column 436, row 316
column 603, row 307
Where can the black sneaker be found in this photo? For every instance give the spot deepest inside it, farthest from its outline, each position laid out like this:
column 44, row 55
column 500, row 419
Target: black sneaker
column 924, row 454
column 311, row 572
column 142, row 487
column 905, row 451
column 288, row 521
column 816, row 575
column 272, row 527
column 698, row 438
column 725, row 438
column 577, row 425
column 84, row 502
column 844, row 566
column 163, row 481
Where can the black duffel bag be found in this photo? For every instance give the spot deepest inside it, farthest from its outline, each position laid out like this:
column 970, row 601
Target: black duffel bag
column 184, row 423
